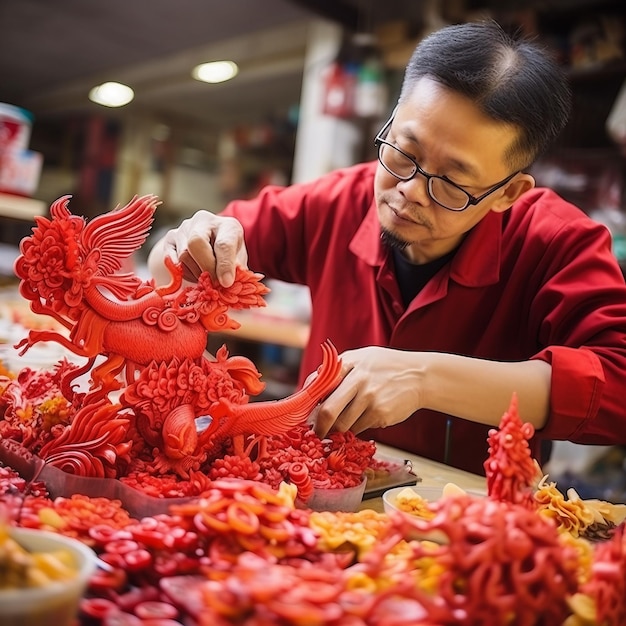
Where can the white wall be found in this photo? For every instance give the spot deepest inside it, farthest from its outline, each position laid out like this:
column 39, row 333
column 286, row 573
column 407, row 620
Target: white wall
column 323, row 143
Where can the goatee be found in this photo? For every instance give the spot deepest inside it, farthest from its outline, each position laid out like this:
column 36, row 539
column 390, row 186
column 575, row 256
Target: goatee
column 392, row 240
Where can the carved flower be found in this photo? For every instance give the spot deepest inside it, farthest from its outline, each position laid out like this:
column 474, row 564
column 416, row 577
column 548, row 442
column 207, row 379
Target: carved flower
column 48, row 261
column 218, row 385
column 205, row 292
column 196, row 378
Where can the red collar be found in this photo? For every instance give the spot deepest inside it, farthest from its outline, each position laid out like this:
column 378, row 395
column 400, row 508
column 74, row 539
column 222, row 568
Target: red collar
column 476, row 264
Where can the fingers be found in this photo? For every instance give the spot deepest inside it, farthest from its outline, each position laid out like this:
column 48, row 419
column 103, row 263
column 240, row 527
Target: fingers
column 377, row 390
column 323, row 421
column 325, row 414
column 197, row 255
column 206, row 242
column 354, row 405
column 339, row 410
column 356, row 416
column 229, row 251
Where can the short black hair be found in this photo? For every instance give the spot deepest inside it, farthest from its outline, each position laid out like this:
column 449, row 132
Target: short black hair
column 511, row 78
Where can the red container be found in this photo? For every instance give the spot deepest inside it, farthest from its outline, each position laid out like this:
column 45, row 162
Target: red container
column 15, row 127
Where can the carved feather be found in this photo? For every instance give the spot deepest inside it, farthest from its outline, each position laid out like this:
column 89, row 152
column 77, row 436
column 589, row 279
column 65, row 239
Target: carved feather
column 119, row 233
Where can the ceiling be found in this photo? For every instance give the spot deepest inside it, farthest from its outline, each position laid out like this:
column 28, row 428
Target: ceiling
column 52, row 53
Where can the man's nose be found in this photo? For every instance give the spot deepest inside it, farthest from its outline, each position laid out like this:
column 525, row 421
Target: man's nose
column 415, row 189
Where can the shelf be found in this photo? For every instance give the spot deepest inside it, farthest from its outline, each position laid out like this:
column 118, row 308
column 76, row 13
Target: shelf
column 21, row 208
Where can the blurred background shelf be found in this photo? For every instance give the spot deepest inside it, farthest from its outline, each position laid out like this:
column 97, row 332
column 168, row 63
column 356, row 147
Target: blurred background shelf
column 260, row 326
column 20, row 208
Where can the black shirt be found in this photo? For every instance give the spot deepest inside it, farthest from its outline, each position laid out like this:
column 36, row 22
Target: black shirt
column 411, row 277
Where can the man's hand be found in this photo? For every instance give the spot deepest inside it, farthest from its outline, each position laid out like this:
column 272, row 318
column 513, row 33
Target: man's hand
column 203, row 242
column 380, row 388
column 383, row 386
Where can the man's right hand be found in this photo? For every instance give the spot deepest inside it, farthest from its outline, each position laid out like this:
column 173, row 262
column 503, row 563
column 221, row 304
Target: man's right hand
column 203, row 242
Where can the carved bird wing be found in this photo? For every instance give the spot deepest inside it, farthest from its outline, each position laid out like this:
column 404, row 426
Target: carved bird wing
column 119, row 233
column 279, row 416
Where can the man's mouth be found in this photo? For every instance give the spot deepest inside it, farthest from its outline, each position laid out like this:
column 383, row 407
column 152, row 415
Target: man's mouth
column 402, row 215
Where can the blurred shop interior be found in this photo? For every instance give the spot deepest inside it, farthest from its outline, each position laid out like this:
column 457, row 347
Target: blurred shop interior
column 315, row 80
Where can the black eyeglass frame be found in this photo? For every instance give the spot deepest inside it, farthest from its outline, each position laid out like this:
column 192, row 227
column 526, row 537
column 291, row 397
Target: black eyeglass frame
column 379, row 142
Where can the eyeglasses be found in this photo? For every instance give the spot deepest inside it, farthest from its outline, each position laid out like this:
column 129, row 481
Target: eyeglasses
column 441, row 190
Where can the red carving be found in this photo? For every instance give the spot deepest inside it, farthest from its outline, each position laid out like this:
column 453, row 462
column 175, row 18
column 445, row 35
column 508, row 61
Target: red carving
column 511, row 471
column 151, row 345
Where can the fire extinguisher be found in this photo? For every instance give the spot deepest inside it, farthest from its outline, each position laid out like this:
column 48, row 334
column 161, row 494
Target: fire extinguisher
column 339, row 85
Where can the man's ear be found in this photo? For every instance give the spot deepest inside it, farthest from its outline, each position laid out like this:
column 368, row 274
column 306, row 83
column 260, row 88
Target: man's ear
column 512, row 191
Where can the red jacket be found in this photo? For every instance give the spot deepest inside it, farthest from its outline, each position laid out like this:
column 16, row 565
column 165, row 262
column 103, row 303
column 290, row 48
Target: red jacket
column 536, row 282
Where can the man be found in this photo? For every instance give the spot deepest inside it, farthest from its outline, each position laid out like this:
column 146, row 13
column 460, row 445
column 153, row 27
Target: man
column 479, row 286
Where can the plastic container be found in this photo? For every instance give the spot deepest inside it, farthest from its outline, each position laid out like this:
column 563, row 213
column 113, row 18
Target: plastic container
column 20, row 171
column 345, row 499
column 57, row 603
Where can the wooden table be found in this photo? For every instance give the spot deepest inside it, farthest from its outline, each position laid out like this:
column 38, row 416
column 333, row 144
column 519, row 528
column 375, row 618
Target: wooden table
column 432, row 474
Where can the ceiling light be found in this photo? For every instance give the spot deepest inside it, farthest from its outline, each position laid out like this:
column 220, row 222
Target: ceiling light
column 111, row 94
column 215, row 72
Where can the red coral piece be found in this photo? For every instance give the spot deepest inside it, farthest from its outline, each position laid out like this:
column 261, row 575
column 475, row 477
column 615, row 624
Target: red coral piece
column 232, row 466
column 502, row 562
column 95, row 444
column 210, row 301
column 510, row 468
column 148, row 344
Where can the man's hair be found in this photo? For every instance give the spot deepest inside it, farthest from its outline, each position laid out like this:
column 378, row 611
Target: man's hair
column 512, row 79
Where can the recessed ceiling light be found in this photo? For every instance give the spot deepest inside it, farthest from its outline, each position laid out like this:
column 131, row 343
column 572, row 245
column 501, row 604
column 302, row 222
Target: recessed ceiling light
column 215, row 72
column 111, row 94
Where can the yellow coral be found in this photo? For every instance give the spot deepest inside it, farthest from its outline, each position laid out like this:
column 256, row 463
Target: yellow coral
column 54, row 411
column 338, row 530
column 408, row 501
column 570, row 516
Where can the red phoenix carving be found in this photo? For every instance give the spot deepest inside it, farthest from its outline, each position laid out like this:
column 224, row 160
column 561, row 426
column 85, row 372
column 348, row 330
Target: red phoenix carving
column 148, row 344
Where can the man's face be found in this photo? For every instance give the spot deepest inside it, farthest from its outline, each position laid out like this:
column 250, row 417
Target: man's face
column 448, row 136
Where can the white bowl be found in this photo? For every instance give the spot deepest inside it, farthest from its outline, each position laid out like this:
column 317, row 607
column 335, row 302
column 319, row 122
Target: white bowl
column 56, row 603
column 428, row 493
